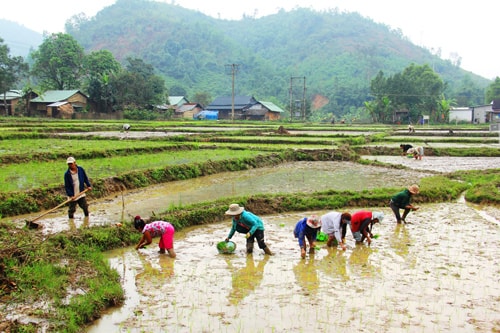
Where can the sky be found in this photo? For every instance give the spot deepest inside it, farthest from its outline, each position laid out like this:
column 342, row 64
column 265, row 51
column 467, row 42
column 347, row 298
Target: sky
column 464, row 30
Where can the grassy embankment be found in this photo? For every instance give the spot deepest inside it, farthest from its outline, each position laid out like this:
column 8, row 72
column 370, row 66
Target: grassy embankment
column 68, row 273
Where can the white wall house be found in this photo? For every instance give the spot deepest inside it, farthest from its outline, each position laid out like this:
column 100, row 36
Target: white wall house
column 463, row 114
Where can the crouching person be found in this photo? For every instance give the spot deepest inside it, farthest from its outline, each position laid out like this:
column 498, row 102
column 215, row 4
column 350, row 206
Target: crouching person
column 334, row 224
column 307, row 228
column 163, row 229
column 362, row 223
column 249, row 224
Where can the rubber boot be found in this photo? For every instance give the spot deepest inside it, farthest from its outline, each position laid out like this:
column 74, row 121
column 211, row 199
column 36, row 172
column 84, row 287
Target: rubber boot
column 249, row 248
column 267, row 251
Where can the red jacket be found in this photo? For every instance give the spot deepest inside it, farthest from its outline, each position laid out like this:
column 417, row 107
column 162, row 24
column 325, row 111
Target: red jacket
column 358, row 218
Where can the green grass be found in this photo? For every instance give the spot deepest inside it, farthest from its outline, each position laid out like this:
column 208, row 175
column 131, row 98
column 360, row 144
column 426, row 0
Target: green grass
column 25, row 176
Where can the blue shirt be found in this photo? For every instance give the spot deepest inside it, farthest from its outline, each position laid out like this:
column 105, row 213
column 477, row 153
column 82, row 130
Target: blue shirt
column 302, row 230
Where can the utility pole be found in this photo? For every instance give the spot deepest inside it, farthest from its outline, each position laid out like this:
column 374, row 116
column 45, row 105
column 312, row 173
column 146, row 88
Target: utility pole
column 233, row 68
column 303, row 101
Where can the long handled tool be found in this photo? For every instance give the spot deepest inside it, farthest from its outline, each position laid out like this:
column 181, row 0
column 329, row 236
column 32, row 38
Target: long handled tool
column 32, row 225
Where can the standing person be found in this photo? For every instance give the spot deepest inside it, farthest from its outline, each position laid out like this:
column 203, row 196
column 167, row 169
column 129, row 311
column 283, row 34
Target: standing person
column 332, row 223
column 249, row 224
column 75, row 179
column 162, row 229
column 402, row 200
column 362, row 223
column 417, row 152
column 307, row 228
column 404, row 148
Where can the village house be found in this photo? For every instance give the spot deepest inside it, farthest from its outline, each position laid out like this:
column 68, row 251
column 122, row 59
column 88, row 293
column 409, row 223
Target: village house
column 187, row 110
column 480, row 114
column 245, row 108
column 59, row 104
column 8, row 102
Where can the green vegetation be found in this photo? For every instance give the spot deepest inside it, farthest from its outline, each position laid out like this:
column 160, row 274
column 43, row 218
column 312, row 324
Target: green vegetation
column 67, row 271
column 342, row 56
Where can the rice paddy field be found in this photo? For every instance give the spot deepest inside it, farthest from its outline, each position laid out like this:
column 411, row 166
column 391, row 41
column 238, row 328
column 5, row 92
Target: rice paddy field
column 437, row 273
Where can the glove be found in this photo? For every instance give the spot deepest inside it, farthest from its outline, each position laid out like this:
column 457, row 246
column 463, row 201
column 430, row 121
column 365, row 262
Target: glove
column 248, row 235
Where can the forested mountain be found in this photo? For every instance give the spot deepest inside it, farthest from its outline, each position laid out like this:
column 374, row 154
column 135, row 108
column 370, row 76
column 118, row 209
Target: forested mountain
column 20, row 39
column 336, row 53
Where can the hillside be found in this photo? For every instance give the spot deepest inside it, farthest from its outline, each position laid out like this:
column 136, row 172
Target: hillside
column 336, row 53
column 19, row 38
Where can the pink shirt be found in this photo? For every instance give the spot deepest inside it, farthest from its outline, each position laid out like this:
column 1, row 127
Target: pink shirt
column 157, row 228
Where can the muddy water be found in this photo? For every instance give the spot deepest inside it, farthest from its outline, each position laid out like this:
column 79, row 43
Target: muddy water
column 286, row 178
column 439, row 273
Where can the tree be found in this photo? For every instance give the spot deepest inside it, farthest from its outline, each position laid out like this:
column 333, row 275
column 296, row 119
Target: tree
column 99, row 66
column 11, row 70
column 493, row 91
column 418, row 89
column 202, row 98
column 138, row 86
column 59, row 62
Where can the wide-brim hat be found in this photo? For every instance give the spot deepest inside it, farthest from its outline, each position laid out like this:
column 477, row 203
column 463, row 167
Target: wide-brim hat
column 313, row 221
column 414, row 189
column 235, row 209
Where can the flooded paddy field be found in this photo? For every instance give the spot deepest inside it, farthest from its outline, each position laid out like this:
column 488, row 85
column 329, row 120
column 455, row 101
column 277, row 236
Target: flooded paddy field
column 286, row 178
column 439, row 273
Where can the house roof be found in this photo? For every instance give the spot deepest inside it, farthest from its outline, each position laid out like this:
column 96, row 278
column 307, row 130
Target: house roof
column 226, row 103
column 272, row 107
column 187, row 107
column 495, row 105
column 11, row 94
column 51, row 96
column 175, row 100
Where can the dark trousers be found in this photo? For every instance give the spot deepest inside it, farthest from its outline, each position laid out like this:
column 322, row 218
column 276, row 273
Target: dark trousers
column 396, row 209
column 259, row 236
column 365, row 228
column 82, row 202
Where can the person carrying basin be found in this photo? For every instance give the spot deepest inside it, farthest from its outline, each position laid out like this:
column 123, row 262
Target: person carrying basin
column 247, row 223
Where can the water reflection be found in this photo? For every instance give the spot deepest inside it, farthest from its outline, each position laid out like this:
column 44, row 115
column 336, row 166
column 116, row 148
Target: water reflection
column 335, row 264
column 359, row 261
column 156, row 270
column 400, row 240
column 306, row 275
column 244, row 280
